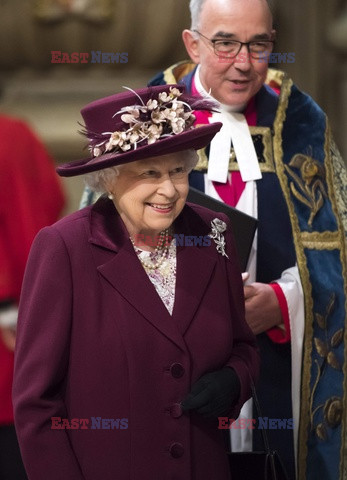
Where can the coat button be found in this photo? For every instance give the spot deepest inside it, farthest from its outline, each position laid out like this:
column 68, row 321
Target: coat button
column 176, row 410
column 177, row 370
column 176, row 450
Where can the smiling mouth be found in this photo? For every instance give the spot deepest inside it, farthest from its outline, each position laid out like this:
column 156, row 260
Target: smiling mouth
column 163, row 208
column 240, row 82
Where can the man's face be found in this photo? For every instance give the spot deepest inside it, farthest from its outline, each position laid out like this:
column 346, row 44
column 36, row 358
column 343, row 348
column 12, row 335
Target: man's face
column 231, row 81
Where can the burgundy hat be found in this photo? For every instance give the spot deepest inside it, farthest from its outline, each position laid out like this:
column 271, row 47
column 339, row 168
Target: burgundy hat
column 139, row 124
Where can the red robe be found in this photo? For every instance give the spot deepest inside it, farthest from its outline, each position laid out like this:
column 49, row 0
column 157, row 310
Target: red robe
column 30, row 198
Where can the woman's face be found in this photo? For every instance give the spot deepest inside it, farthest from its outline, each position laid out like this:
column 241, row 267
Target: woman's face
column 149, row 194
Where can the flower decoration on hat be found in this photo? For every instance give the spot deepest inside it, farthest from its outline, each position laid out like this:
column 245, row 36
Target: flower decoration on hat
column 138, row 124
column 145, row 123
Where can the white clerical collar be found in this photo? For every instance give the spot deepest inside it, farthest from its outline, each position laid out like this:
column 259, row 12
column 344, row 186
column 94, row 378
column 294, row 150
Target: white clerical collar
column 235, row 129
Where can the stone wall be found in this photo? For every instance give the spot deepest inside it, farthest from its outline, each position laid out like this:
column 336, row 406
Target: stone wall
column 49, row 96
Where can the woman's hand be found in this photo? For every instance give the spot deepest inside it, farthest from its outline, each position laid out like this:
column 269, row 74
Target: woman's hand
column 214, row 394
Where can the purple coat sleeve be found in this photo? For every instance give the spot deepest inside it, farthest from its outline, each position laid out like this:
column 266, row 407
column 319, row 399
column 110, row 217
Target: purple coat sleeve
column 41, row 360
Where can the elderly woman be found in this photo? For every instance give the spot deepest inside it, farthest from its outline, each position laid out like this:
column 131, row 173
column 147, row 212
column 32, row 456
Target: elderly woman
column 130, row 346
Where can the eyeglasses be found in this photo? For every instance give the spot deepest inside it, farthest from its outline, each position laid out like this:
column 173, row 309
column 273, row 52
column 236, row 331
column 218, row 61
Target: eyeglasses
column 231, row 48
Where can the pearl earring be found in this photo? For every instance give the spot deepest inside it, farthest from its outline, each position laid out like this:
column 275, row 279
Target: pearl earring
column 110, row 196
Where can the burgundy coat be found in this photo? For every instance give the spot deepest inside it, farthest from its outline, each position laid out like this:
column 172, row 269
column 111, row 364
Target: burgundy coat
column 95, row 340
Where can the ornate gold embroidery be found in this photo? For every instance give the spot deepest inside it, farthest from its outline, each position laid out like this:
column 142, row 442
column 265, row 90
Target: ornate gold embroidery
column 333, row 411
column 266, row 161
column 274, row 77
column 332, row 407
column 340, row 181
column 177, row 71
column 311, row 188
column 321, row 241
column 334, row 196
column 304, row 275
column 202, row 164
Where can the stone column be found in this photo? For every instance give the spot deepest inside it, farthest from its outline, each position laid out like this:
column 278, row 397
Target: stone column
column 337, row 40
column 306, row 28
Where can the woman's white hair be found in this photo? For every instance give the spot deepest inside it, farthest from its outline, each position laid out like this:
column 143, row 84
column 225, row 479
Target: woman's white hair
column 100, row 180
column 196, row 8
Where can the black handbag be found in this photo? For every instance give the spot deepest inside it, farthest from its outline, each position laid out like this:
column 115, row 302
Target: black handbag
column 265, row 465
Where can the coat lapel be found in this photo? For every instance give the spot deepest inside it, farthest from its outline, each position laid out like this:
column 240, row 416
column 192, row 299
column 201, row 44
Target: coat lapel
column 195, row 265
column 124, row 270
column 125, row 273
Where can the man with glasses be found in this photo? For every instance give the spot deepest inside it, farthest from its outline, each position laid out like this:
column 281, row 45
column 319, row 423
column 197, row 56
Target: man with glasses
column 225, row 48
column 274, row 159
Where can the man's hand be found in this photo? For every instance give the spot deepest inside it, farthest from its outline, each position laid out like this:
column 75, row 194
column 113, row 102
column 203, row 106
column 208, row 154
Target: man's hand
column 8, row 336
column 262, row 307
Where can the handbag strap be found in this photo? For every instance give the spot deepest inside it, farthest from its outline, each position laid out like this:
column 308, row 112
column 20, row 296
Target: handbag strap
column 270, row 454
column 258, row 410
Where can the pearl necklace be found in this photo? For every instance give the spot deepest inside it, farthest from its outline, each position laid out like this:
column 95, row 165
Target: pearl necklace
column 163, row 244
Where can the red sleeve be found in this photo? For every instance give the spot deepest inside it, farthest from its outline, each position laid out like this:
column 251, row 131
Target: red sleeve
column 278, row 335
column 31, row 197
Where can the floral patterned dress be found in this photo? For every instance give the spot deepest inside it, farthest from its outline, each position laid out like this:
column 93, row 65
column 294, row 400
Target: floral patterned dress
column 164, row 276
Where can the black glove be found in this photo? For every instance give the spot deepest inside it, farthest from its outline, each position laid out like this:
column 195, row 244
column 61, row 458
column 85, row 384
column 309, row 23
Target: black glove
column 214, row 394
